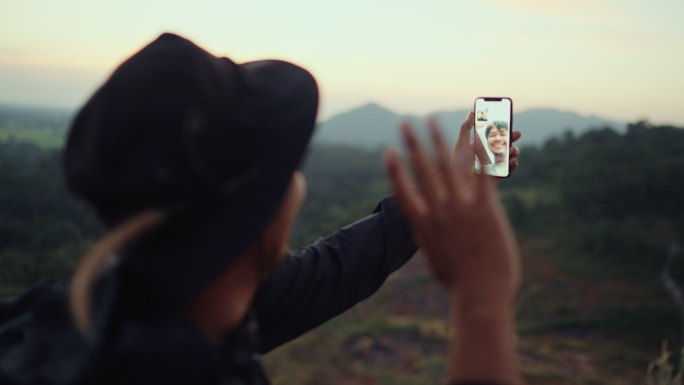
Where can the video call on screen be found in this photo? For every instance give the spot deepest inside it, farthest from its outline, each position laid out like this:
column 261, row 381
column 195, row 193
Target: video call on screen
column 492, row 135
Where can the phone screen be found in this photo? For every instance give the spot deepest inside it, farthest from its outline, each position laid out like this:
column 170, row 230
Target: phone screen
column 492, row 137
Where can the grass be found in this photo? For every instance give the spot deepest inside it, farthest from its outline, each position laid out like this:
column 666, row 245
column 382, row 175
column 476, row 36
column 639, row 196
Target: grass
column 373, row 325
column 536, row 196
column 44, row 138
column 572, row 331
column 661, row 371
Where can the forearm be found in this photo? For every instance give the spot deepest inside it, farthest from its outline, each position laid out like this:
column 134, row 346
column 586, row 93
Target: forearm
column 328, row 277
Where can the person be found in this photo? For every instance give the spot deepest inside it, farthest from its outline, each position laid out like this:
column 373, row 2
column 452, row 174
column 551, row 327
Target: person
column 191, row 162
column 497, row 142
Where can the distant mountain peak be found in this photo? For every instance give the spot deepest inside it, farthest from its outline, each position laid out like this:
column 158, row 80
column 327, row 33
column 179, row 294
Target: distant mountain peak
column 373, row 107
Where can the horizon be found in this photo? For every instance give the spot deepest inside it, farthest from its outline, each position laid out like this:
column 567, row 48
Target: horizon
column 592, row 57
column 319, row 119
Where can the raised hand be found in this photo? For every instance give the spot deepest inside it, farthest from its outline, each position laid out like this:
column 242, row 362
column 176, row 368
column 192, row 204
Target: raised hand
column 456, row 216
column 459, row 223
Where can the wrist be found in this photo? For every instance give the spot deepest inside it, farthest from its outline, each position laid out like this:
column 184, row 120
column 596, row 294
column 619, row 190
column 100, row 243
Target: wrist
column 481, row 305
column 484, row 343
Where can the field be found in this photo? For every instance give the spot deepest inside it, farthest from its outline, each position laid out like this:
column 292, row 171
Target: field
column 45, row 138
column 400, row 335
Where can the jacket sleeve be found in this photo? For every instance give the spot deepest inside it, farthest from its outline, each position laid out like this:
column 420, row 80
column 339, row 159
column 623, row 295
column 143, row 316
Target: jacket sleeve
column 323, row 280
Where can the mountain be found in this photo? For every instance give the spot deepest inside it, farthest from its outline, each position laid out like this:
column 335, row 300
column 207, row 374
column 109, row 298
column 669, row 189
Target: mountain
column 370, row 125
column 539, row 125
column 373, row 125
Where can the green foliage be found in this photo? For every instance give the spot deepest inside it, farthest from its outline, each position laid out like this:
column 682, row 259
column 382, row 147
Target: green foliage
column 21, row 267
column 45, row 138
column 617, row 196
column 615, row 176
column 344, row 184
column 594, row 214
column 44, row 127
column 662, row 372
column 43, row 228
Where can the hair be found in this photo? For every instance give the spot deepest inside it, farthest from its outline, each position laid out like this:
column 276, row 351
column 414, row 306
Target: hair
column 97, row 256
column 500, row 125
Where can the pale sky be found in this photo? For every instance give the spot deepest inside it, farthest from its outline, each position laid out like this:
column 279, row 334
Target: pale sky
column 620, row 59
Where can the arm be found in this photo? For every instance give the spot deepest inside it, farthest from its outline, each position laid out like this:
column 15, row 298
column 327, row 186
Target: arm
column 470, row 248
column 323, row 280
column 320, row 282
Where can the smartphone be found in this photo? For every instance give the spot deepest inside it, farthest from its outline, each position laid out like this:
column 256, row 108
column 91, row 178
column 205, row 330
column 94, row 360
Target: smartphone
column 492, row 135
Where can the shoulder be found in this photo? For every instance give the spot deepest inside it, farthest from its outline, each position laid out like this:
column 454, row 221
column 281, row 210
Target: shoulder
column 38, row 341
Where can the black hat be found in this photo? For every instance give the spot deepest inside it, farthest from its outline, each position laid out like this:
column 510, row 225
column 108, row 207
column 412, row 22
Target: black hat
column 178, row 129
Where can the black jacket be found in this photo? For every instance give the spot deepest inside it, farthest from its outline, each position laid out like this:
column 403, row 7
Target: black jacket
column 38, row 343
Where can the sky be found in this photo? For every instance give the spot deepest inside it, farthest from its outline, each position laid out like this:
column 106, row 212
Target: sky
column 618, row 59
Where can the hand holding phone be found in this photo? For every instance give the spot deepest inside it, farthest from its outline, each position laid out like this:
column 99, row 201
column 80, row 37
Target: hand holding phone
column 492, row 135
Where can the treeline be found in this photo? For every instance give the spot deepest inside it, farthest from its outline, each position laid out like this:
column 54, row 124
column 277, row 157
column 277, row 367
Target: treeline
column 344, row 184
column 602, row 197
column 43, row 228
column 601, row 211
column 610, row 196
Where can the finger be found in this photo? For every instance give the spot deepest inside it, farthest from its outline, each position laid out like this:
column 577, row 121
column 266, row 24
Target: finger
column 462, row 155
column 514, row 164
column 480, row 152
column 483, row 186
column 513, row 158
column 515, row 136
column 442, row 156
column 464, row 135
column 423, row 168
column 408, row 199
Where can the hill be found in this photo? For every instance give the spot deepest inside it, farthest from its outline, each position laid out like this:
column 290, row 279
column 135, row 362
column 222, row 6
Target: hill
column 374, row 126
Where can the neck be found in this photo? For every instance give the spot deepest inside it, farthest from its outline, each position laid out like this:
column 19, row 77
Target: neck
column 499, row 157
column 222, row 305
